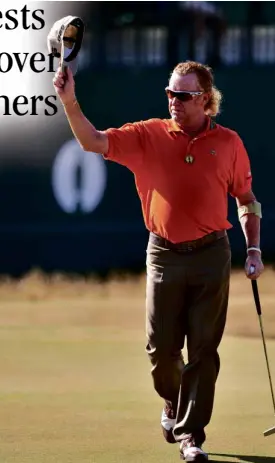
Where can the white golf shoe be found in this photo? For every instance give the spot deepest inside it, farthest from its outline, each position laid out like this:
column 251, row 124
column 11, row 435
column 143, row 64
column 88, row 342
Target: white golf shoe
column 191, row 452
column 168, row 421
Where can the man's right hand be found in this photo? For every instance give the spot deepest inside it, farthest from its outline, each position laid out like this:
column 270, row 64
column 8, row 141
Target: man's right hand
column 64, row 85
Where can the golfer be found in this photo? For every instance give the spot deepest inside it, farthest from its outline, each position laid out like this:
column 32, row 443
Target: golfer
column 184, row 168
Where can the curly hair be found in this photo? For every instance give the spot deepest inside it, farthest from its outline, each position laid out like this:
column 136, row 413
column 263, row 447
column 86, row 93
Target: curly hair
column 205, row 77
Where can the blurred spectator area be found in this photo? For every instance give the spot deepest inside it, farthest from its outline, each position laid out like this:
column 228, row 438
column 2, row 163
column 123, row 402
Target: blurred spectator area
column 161, row 33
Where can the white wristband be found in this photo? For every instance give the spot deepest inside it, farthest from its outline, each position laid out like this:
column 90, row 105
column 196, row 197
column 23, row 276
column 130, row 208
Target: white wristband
column 253, row 248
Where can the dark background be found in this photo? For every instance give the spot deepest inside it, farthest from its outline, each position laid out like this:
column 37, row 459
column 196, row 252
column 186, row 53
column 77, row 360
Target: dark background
column 128, row 53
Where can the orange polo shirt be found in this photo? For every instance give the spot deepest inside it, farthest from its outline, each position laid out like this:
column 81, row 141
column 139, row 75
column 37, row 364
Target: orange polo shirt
column 182, row 183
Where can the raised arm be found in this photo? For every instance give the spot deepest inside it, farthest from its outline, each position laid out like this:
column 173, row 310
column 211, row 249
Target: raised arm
column 89, row 138
column 124, row 145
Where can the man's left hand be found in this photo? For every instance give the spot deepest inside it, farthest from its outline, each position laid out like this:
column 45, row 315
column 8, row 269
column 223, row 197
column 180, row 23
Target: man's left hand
column 254, row 261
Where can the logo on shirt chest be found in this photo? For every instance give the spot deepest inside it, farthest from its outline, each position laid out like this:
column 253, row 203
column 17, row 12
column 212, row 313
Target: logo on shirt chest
column 189, row 159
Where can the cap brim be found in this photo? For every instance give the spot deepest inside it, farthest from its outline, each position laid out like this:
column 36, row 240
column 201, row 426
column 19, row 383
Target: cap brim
column 73, row 64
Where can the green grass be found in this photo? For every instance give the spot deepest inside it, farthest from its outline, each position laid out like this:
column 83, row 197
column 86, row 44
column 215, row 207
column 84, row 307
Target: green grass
column 75, row 381
column 85, row 395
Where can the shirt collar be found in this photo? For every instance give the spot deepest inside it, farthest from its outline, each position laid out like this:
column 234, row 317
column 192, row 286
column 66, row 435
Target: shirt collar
column 172, row 126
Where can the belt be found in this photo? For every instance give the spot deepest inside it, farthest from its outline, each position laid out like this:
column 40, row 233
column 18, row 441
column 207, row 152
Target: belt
column 188, row 246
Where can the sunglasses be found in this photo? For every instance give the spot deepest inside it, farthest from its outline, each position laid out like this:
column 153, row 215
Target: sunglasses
column 182, row 96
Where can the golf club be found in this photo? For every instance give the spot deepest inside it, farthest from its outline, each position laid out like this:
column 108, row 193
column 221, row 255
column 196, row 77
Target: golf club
column 254, row 284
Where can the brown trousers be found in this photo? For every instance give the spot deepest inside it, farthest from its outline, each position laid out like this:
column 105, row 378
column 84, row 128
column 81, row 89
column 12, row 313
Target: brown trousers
column 187, row 299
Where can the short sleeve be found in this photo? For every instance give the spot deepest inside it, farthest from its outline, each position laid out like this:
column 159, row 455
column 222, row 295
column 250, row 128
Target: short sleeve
column 241, row 177
column 126, row 145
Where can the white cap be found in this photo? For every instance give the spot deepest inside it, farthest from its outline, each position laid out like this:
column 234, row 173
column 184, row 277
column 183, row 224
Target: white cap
column 57, row 46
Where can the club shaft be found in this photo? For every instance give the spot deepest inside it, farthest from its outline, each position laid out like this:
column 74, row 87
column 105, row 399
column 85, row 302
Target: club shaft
column 267, row 362
column 269, row 431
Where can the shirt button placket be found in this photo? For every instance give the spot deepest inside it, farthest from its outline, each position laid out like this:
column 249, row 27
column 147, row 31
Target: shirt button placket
column 189, row 158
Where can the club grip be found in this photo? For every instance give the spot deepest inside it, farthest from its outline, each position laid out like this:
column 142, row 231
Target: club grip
column 256, row 296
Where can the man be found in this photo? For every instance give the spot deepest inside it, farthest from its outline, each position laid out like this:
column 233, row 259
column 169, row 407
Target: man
column 184, row 168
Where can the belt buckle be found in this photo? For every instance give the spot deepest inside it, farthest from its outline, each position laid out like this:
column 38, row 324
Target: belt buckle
column 189, row 247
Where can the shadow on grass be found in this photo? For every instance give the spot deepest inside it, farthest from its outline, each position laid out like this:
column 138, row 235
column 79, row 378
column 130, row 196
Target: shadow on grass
column 247, row 458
